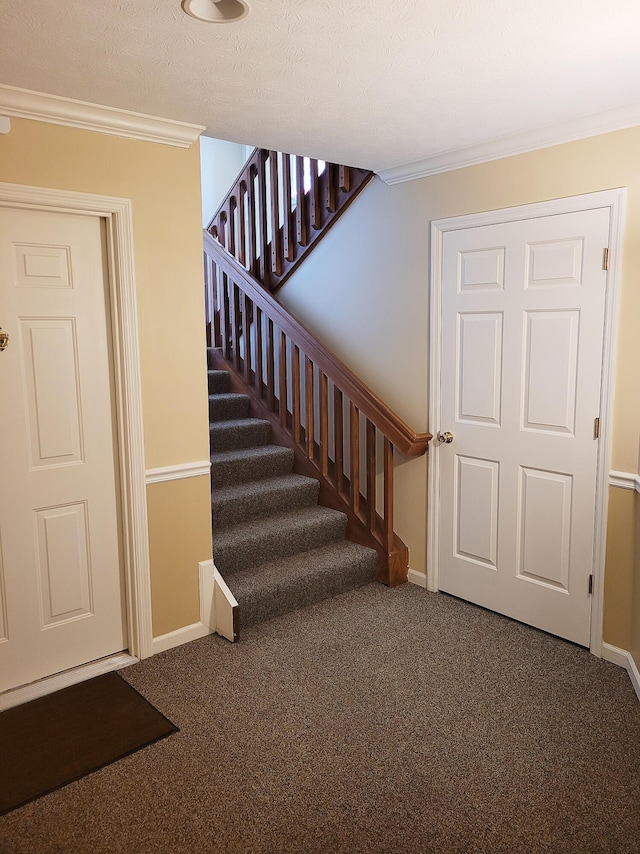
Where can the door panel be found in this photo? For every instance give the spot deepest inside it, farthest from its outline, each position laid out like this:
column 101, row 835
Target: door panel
column 49, row 361
column 62, row 591
column 476, row 523
column 550, row 370
column 522, row 330
column 479, row 377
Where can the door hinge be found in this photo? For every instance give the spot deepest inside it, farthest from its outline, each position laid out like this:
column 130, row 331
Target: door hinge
column 596, row 428
column 590, row 585
column 605, row 258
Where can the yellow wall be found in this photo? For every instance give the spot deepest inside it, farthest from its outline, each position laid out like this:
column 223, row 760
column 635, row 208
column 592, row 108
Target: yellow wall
column 620, row 568
column 375, row 267
column 181, row 513
column 163, row 183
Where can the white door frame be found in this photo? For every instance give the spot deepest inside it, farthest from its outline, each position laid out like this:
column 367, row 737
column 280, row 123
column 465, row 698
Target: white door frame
column 614, row 200
column 124, row 332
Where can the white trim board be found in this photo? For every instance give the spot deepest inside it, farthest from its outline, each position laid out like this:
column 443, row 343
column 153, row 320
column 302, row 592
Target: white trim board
column 54, row 109
column 417, row 578
column 176, row 638
column 614, row 200
column 126, row 362
column 623, row 659
column 165, row 473
column 575, row 129
column 18, row 696
column 624, row 480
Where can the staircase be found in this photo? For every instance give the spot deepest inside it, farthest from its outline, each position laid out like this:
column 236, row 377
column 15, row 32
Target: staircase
column 276, row 548
column 313, row 513
column 279, row 208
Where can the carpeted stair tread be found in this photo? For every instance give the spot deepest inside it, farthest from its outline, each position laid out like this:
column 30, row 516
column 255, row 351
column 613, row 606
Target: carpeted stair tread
column 239, row 433
column 234, row 504
column 273, row 537
column 276, row 548
column 218, row 382
column 245, row 464
column 228, row 406
column 279, row 586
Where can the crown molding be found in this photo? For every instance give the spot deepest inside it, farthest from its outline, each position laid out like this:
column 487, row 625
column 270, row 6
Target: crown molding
column 26, row 104
column 581, row 128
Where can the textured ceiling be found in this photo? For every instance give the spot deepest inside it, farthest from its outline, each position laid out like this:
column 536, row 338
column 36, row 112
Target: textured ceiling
column 374, row 84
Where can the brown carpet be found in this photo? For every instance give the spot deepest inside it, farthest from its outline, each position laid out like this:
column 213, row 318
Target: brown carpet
column 381, row 721
column 55, row 739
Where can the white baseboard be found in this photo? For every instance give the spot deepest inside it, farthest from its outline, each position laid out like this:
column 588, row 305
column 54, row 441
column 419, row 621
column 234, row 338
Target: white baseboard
column 634, row 675
column 623, row 659
column 419, row 578
column 18, row 696
column 176, row 638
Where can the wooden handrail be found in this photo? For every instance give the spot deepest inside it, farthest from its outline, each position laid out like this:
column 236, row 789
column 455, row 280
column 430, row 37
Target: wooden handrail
column 406, row 440
column 294, row 382
column 267, row 227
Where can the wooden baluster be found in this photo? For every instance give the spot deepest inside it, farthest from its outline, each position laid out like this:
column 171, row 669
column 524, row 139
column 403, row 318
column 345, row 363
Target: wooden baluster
column 208, row 298
column 345, row 178
column 271, row 383
column 295, row 391
column 222, row 230
column 324, row 424
column 252, row 264
column 331, row 194
column 388, row 496
column 316, row 207
column 282, row 392
column 259, row 351
column 225, row 316
column 338, row 439
column 217, row 306
column 371, row 475
column 231, row 288
column 302, row 208
column 212, row 301
column 242, row 224
column 276, row 234
column 247, row 313
column 310, row 408
column 231, row 240
column 237, row 327
column 354, row 449
column 263, row 237
column 289, row 243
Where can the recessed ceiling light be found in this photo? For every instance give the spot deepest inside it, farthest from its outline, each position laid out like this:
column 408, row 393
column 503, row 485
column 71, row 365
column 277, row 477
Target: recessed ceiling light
column 216, row 11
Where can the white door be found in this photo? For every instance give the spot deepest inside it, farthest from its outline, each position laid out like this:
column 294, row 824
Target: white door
column 522, row 328
column 61, row 585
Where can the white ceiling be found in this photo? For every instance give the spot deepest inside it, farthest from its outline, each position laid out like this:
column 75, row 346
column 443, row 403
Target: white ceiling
column 371, row 83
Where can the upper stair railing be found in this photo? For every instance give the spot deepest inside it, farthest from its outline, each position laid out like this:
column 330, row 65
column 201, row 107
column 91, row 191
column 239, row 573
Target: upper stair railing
column 340, row 431
column 278, row 207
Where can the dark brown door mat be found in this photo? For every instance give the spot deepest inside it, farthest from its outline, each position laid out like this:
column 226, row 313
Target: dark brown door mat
column 56, row 739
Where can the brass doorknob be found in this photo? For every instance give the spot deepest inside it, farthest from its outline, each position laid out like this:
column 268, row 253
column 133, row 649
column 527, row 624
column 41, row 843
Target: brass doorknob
column 445, row 438
column 4, row 340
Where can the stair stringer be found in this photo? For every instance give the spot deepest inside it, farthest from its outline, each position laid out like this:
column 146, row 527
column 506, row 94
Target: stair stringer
column 391, row 569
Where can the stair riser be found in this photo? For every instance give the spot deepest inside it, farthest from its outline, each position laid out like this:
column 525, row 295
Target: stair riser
column 227, row 407
column 272, row 544
column 218, row 382
column 267, row 604
column 229, row 438
column 230, row 472
column 237, row 510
